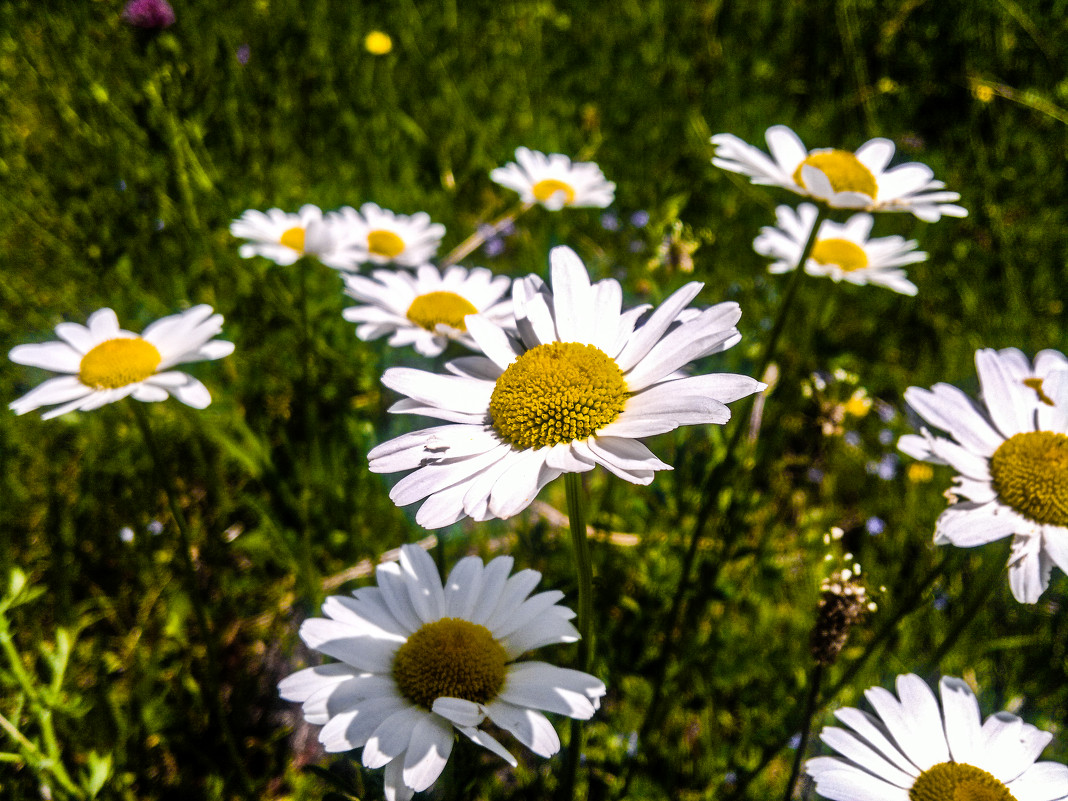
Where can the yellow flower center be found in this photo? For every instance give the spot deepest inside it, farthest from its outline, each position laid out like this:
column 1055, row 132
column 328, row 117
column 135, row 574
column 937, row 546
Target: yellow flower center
column 428, row 310
column 115, row 363
column 294, row 238
column 554, row 393
column 544, row 190
column 951, row 781
column 1036, row 385
column 848, row 256
column 843, row 170
column 450, row 658
column 385, row 243
column 1030, row 474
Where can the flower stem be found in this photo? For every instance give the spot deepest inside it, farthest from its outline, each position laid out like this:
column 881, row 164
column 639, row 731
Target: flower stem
column 576, row 512
column 814, row 681
column 197, row 600
column 482, row 232
column 710, row 494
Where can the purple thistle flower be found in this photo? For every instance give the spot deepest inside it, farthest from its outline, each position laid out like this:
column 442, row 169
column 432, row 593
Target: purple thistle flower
column 149, row 14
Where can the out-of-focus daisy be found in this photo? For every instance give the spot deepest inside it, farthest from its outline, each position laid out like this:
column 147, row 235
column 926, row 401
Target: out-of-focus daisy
column 1012, row 456
column 1016, row 365
column 283, row 237
column 426, row 309
column 106, row 363
column 419, row 661
column 839, row 178
column 554, row 181
column 379, row 236
column 842, row 252
column 577, row 388
column 911, row 750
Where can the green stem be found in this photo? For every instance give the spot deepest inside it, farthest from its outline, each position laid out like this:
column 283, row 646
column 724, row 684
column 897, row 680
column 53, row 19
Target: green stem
column 310, row 455
column 710, row 494
column 576, row 512
column 474, row 242
column 911, row 604
column 806, row 730
column 196, row 598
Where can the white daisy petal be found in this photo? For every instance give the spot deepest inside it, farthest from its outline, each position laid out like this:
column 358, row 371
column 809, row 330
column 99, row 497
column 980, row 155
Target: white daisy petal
column 528, row 726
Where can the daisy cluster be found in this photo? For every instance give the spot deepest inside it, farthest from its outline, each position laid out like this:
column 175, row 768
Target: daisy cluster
column 560, row 377
column 839, row 179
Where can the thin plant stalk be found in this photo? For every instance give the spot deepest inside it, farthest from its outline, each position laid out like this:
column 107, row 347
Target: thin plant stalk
column 207, row 635
column 814, row 681
column 482, row 232
column 576, row 512
column 709, row 490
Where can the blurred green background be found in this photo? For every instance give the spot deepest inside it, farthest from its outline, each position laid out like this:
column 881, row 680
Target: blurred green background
column 125, row 154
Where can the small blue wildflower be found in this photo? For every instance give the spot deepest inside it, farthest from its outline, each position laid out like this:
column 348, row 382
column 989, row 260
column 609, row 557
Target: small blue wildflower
column 815, row 475
column 852, row 438
column 494, row 247
column 610, row 222
column 875, row 525
column 244, row 53
column 886, row 436
column 639, row 219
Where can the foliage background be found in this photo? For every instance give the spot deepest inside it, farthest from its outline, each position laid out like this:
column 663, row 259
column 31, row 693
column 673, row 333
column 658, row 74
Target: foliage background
column 123, row 157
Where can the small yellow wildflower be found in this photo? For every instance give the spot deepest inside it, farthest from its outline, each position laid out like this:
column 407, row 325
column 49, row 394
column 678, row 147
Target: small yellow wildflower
column 378, row 43
column 920, row 473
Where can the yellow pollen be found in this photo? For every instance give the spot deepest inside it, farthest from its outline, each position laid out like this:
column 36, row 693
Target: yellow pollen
column 1030, row 474
column 847, row 256
column 428, row 310
column 385, row 243
column 450, row 658
column 843, row 170
column 115, row 363
column 294, row 238
column 545, row 189
column 952, row 781
column 555, row 393
column 1036, row 385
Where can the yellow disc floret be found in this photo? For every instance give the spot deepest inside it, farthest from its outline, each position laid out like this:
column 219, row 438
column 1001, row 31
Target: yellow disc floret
column 952, row 781
column 846, row 255
column 428, row 310
column 115, row 363
column 385, row 243
column 555, row 393
column 843, row 170
column 545, row 189
column 1030, row 473
column 450, row 658
column 293, row 238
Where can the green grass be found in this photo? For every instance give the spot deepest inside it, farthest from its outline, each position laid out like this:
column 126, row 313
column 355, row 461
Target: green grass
column 125, row 155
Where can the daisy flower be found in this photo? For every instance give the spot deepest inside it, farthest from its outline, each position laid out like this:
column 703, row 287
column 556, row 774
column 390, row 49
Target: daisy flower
column 1012, row 456
column 1015, row 364
column 842, row 252
column 910, row 750
column 577, row 387
column 426, row 309
column 841, row 179
column 283, row 238
column 106, row 363
column 419, row 660
column 379, row 236
column 554, row 181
